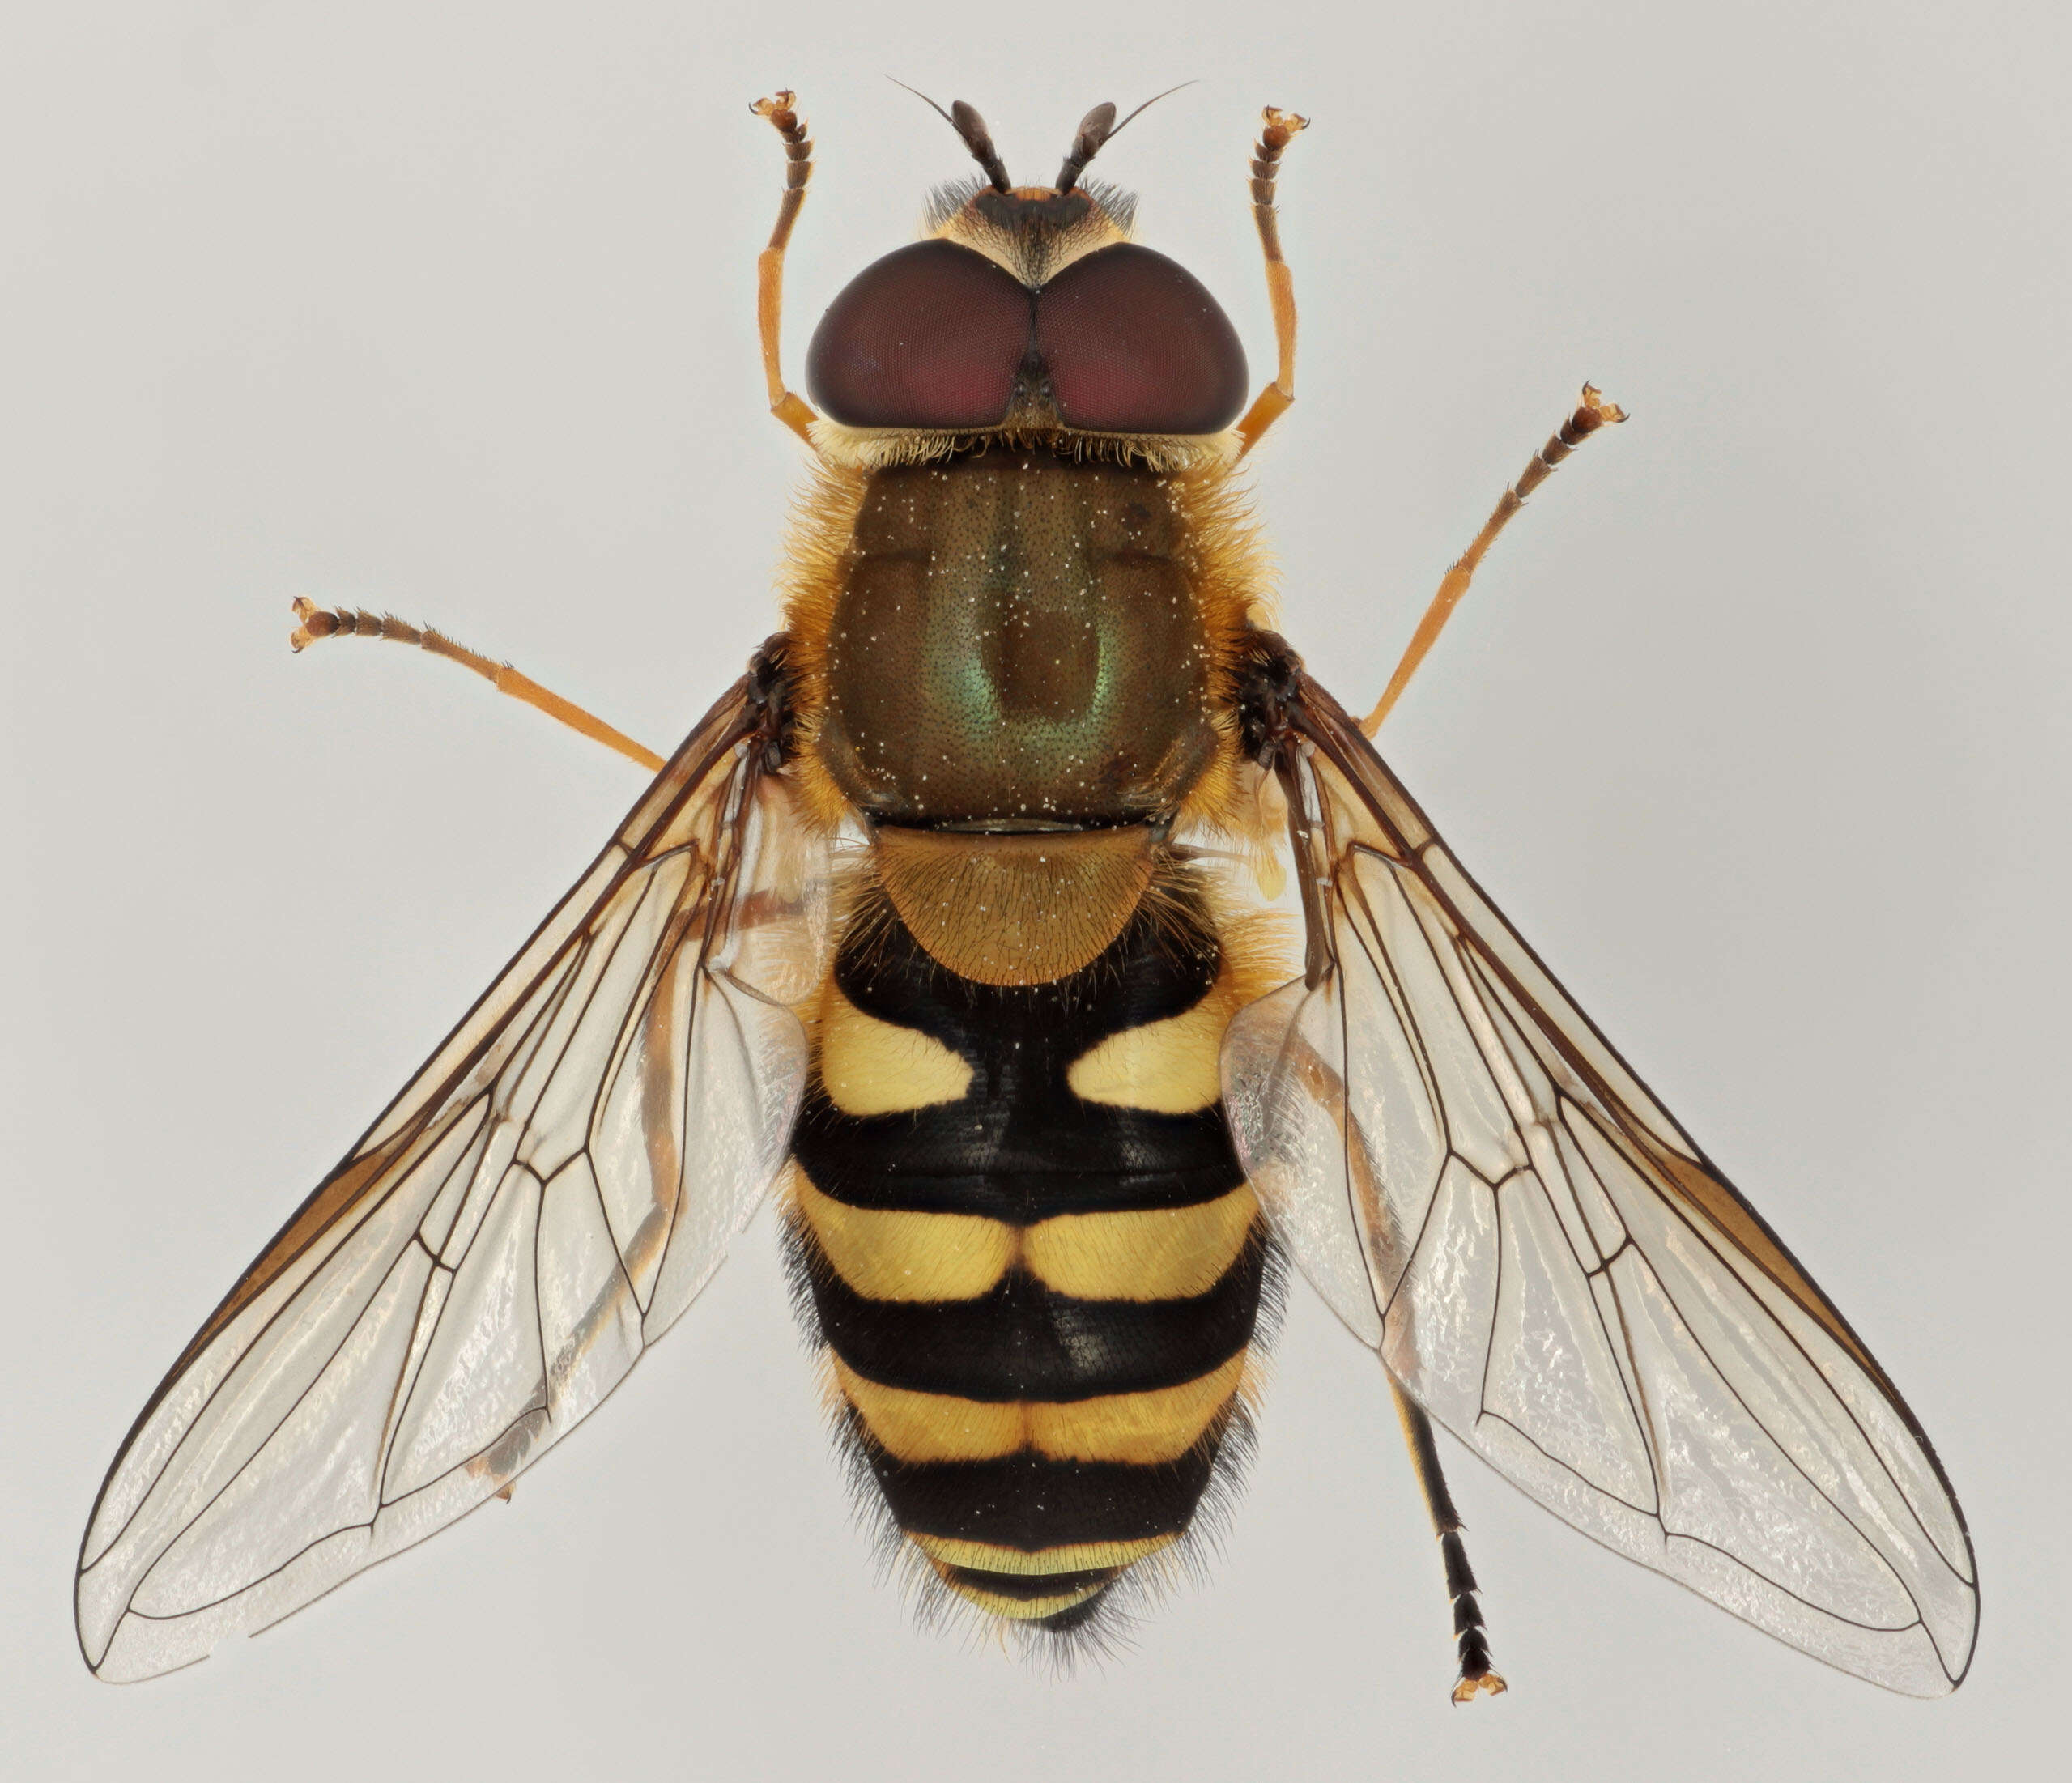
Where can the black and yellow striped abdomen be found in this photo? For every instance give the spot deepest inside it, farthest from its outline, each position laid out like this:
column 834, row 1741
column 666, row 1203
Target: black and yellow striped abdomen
column 1030, row 1249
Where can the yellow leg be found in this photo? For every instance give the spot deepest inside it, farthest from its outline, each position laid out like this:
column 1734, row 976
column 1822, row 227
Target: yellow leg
column 1273, row 401
column 315, row 623
column 788, row 407
column 1592, row 413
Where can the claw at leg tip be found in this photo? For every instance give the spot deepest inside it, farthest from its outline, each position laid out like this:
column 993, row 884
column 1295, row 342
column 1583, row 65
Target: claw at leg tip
column 314, row 623
column 1490, row 1683
column 1593, row 400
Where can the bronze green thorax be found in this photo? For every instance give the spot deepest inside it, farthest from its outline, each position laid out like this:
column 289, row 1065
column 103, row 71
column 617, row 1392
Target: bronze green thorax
column 1016, row 643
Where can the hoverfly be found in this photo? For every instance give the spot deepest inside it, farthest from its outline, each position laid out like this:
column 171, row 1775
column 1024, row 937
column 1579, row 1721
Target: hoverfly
column 946, row 924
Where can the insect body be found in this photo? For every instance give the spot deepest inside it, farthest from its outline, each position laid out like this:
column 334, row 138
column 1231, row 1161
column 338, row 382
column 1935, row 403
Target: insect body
column 1025, row 1236
column 945, row 923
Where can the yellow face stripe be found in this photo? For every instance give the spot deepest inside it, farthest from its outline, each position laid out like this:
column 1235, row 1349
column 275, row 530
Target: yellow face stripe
column 1071, row 1557
column 868, row 1066
column 896, row 1254
column 1160, row 1253
column 1169, row 1067
column 1141, row 1427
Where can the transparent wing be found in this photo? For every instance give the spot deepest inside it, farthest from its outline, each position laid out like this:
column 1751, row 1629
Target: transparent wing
column 1490, row 1199
column 539, row 1204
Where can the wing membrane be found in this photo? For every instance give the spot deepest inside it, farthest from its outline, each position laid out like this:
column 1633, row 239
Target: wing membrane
column 1489, row 1198
column 539, row 1204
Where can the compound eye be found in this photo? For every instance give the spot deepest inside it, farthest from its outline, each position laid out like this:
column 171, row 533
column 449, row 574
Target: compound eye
column 1135, row 344
column 930, row 336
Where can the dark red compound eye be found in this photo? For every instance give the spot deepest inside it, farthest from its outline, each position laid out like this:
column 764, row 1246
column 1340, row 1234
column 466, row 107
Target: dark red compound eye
column 1135, row 344
column 930, row 336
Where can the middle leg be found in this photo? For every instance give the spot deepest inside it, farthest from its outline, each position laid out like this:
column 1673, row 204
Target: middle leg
column 313, row 624
column 1592, row 412
column 1274, row 400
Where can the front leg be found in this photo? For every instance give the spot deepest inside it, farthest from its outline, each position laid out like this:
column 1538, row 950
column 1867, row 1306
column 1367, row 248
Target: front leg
column 786, row 405
column 1275, row 399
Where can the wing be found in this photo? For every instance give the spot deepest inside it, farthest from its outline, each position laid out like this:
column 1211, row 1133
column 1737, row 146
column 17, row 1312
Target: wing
column 1490, row 1199
column 539, row 1204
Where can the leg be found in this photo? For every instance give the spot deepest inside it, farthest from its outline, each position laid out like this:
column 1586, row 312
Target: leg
column 317, row 622
column 1478, row 1679
column 1591, row 413
column 1273, row 401
column 791, row 409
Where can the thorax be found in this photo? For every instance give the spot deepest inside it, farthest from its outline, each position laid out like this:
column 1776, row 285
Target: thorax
column 1017, row 640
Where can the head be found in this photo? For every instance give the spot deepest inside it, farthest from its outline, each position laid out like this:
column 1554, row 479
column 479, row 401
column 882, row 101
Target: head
column 1028, row 310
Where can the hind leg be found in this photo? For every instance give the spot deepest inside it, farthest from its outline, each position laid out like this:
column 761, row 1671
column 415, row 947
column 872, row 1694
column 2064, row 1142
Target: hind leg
column 1477, row 1677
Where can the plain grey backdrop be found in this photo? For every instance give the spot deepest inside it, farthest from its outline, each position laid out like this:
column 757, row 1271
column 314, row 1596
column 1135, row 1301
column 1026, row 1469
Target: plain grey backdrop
column 1755, row 724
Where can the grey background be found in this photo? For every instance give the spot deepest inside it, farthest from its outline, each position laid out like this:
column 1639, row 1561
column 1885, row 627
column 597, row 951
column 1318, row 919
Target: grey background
column 1755, row 724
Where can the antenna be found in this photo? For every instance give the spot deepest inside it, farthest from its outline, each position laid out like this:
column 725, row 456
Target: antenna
column 1096, row 128
column 964, row 120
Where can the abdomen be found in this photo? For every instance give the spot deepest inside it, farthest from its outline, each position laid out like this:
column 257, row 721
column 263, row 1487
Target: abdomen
column 1028, row 1246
